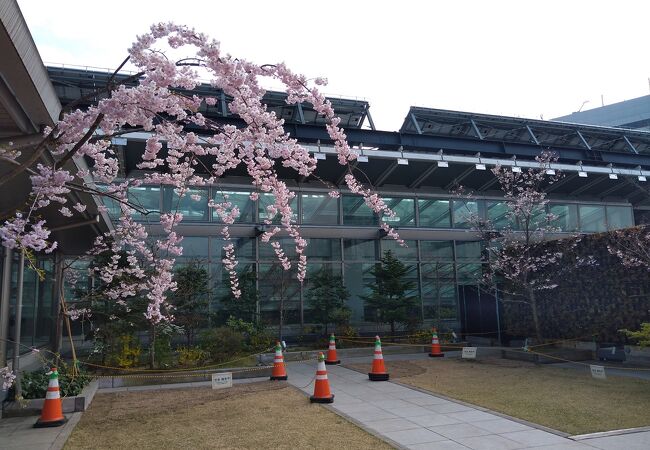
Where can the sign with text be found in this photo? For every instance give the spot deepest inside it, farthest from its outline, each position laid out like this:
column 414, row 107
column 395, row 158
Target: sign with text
column 598, row 372
column 469, row 353
column 221, row 380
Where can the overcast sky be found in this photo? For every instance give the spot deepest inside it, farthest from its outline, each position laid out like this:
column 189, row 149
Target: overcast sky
column 521, row 58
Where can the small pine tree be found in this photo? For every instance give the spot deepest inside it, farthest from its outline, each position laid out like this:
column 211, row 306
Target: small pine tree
column 326, row 297
column 191, row 298
column 388, row 295
column 245, row 307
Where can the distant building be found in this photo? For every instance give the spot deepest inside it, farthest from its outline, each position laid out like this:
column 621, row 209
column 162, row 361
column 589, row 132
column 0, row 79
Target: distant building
column 634, row 114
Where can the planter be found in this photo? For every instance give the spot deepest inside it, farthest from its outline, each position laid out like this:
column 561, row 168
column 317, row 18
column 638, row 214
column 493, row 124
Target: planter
column 151, row 379
column 570, row 354
column 33, row 407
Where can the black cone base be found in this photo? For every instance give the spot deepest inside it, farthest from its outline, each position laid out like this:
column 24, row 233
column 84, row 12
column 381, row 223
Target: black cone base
column 322, row 399
column 278, row 378
column 436, row 355
column 378, row 376
column 338, row 361
column 53, row 423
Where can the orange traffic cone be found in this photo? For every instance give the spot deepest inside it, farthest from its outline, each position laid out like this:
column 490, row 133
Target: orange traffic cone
column 52, row 413
column 322, row 392
column 331, row 352
column 435, row 345
column 279, row 372
column 378, row 372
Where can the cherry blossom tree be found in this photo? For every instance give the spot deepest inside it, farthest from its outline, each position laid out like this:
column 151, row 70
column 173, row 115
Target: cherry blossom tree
column 171, row 60
column 631, row 246
column 517, row 265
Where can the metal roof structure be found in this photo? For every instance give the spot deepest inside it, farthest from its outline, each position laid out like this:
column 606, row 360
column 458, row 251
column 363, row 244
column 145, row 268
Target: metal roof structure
column 434, row 149
column 72, row 83
column 437, row 122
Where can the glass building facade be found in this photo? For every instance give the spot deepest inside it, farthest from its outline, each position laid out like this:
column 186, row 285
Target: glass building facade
column 443, row 270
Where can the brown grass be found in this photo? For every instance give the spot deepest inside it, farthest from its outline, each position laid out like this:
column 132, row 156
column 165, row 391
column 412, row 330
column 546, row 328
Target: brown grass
column 257, row 415
column 564, row 399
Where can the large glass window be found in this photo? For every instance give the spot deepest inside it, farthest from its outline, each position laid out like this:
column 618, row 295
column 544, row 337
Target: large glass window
column 619, row 217
column 241, row 199
column 278, row 286
column 244, row 248
column 434, row 213
column 406, row 253
column 360, row 249
column 266, row 200
column 356, row 212
column 468, row 250
column 592, row 218
column 437, row 250
column 357, row 279
column 319, row 209
column 193, row 205
column 195, row 247
column 566, row 216
column 147, row 200
column 324, row 250
column 498, row 214
column 404, row 209
column 465, row 213
column 267, row 252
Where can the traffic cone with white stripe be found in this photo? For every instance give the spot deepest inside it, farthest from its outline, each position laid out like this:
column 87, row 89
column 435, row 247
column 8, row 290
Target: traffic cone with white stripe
column 378, row 372
column 279, row 372
column 435, row 345
column 322, row 392
column 52, row 413
column 331, row 352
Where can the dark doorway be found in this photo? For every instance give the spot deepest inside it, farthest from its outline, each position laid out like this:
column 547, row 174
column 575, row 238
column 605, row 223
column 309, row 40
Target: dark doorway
column 478, row 312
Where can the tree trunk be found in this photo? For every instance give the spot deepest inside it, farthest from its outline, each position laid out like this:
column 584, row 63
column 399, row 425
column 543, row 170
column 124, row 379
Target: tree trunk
column 392, row 331
column 533, row 307
column 152, row 347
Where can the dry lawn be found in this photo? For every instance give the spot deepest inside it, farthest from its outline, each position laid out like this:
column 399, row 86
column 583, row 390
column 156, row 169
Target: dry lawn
column 568, row 400
column 252, row 416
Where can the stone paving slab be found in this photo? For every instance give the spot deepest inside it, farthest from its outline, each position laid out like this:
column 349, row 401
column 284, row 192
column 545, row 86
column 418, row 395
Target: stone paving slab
column 414, row 419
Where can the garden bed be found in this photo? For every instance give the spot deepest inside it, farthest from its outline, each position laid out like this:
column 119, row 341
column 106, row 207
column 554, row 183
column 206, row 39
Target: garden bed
column 33, row 407
column 253, row 415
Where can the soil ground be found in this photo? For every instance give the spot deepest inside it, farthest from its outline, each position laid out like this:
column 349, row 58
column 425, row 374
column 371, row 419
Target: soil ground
column 564, row 399
column 256, row 415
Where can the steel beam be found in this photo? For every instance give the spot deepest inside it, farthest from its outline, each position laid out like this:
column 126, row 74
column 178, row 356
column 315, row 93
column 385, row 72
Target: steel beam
column 632, row 147
column 563, row 181
column 583, row 140
column 588, row 186
column 612, row 189
column 415, row 123
column 476, row 130
column 460, row 177
column 301, row 114
column 488, row 185
column 423, row 176
column 385, row 174
column 370, row 121
column 532, row 135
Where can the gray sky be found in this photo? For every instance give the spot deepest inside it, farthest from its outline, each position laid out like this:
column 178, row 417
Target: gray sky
column 519, row 58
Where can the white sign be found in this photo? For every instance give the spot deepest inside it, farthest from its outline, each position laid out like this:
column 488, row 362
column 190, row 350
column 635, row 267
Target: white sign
column 598, row 372
column 469, row 353
column 221, row 380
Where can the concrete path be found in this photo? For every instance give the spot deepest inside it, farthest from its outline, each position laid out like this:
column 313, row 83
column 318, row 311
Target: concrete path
column 18, row 433
column 409, row 418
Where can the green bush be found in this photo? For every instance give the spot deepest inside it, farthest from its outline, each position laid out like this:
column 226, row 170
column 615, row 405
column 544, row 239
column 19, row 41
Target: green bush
column 222, row 343
column 191, row 356
column 34, row 384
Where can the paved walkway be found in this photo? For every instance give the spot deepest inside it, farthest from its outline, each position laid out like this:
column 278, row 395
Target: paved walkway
column 413, row 419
